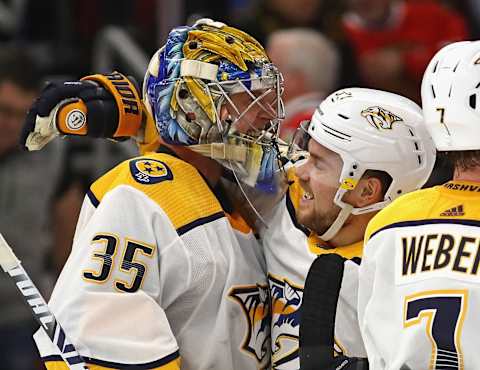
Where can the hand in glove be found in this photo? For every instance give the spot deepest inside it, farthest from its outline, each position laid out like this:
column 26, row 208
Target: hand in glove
column 106, row 106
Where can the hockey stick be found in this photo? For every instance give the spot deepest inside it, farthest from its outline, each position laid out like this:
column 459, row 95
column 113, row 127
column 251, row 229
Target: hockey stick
column 320, row 296
column 41, row 312
column 317, row 323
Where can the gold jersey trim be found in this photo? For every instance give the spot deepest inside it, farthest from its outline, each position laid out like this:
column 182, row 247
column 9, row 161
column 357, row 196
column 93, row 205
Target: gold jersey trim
column 455, row 199
column 170, row 362
column 173, row 184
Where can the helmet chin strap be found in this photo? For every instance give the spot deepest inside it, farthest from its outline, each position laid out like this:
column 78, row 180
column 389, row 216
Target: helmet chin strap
column 338, row 223
column 347, row 210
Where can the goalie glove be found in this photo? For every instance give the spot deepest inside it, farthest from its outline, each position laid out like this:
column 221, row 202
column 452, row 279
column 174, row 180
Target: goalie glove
column 105, row 106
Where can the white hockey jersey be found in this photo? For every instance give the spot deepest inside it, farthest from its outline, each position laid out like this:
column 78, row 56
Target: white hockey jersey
column 289, row 251
column 162, row 275
column 419, row 293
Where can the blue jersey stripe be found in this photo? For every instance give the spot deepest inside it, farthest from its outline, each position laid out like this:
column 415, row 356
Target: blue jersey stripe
column 428, row 222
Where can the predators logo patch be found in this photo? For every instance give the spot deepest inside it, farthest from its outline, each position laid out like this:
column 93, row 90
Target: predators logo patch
column 286, row 301
column 380, row 118
column 150, row 171
column 255, row 303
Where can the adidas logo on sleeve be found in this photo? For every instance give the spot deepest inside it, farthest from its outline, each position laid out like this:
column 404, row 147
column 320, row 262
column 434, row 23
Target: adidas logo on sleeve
column 453, row 212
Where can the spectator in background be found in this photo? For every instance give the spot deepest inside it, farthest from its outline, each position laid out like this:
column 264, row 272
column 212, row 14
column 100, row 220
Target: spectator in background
column 321, row 15
column 309, row 63
column 395, row 39
column 27, row 184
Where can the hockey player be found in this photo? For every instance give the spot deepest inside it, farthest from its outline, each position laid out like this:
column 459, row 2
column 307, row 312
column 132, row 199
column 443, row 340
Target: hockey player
column 164, row 272
column 418, row 295
column 365, row 148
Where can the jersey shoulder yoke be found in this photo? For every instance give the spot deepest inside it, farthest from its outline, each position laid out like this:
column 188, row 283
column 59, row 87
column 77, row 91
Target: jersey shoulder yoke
column 175, row 185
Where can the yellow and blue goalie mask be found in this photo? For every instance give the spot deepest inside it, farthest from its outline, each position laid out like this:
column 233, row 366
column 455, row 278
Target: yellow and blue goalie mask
column 212, row 87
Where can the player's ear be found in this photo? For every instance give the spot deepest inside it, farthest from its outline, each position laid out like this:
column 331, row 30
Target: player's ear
column 367, row 191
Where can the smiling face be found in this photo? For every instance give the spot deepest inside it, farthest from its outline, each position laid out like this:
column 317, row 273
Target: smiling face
column 319, row 178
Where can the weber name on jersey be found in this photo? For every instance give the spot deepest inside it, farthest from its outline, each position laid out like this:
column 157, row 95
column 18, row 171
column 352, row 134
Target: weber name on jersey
column 290, row 250
column 426, row 247
column 163, row 274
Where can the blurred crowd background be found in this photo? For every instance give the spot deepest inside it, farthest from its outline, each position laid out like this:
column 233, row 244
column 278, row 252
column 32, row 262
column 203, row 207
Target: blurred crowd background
column 318, row 45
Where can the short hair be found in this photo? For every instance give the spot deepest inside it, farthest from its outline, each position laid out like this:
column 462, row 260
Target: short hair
column 18, row 66
column 311, row 53
column 462, row 159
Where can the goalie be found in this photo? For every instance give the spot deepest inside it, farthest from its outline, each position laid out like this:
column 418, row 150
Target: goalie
column 164, row 271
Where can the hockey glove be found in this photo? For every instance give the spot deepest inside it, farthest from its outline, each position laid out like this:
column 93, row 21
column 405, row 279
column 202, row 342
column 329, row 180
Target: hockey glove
column 106, row 106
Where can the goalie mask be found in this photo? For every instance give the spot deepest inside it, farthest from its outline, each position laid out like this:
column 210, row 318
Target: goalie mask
column 207, row 87
column 369, row 130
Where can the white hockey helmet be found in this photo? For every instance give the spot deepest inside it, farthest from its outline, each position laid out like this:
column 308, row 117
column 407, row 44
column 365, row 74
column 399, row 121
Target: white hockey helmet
column 373, row 130
column 451, row 97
